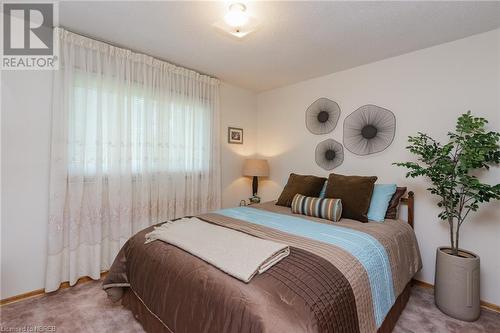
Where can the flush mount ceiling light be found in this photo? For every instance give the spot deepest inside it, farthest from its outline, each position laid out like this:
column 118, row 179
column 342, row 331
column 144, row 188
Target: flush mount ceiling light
column 237, row 21
column 237, row 15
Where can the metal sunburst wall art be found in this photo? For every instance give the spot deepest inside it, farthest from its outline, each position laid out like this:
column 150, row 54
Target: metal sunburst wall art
column 329, row 154
column 322, row 116
column 368, row 130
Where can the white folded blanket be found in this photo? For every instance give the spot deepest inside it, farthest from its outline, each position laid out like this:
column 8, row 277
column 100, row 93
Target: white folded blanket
column 236, row 253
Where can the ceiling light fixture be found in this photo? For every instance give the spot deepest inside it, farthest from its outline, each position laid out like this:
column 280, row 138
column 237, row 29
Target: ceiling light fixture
column 237, row 22
column 236, row 16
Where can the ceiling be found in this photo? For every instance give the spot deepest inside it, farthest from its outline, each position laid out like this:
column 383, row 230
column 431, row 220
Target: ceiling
column 294, row 41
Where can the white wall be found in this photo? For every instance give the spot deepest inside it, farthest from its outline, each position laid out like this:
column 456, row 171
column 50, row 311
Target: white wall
column 25, row 108
column 427, row 90
column 238, row 109
column 26, row 104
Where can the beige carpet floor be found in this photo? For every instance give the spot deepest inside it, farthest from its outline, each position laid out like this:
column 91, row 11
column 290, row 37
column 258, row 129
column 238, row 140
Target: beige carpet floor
column 85, row 308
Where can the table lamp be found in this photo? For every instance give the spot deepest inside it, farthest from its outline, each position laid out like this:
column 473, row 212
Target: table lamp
column 255, row 168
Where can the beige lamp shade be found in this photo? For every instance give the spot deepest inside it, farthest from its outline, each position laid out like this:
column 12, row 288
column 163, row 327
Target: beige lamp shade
column 256, row 167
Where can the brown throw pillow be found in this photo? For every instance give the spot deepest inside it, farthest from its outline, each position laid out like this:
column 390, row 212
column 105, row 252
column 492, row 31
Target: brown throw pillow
column 309, row 186
column 392, row 210
column 355, row 193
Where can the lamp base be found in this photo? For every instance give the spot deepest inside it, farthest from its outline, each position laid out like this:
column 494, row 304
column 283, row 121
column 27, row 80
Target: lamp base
column 255, row 185
column 255, row 199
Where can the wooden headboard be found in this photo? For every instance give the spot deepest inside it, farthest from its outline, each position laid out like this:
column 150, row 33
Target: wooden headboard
column 409, row 202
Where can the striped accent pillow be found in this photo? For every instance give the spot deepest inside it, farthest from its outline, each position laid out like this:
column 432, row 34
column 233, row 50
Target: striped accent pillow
column 326, row 208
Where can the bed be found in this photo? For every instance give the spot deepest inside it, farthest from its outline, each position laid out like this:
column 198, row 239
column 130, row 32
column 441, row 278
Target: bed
column 339, row 277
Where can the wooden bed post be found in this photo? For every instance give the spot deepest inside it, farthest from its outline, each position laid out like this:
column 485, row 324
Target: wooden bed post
column 411, row 210
column 409, row 201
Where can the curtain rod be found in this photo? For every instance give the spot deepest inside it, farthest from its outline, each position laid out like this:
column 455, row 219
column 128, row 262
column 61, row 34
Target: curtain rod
column 133, row 50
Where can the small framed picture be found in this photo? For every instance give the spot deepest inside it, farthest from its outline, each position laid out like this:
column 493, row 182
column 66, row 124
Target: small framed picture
column 235, row 135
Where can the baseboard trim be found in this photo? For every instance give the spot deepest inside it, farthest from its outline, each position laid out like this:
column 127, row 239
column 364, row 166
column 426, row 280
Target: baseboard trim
column 423, row 284
column 41, row 292
column 485, row 305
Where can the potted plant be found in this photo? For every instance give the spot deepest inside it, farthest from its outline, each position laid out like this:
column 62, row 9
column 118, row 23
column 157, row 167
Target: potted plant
column 452, row 169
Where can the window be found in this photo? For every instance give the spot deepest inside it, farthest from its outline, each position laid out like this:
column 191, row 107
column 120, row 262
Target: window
column 115, row 128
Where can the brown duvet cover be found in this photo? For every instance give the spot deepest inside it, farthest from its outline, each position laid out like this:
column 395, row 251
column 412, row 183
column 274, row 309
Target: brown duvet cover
column 319, row 287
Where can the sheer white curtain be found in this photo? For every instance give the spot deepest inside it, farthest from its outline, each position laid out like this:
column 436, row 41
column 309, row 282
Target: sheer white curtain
column 135, row 141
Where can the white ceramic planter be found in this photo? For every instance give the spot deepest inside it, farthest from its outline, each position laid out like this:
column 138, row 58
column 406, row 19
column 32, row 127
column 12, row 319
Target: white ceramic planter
column 456, row 289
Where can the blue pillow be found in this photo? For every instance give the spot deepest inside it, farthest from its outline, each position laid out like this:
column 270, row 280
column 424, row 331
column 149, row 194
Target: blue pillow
column 323, row 190
column 382, row 194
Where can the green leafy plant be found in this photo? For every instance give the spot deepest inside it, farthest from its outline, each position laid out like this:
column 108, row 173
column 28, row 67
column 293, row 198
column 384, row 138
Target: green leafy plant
column 451, row 167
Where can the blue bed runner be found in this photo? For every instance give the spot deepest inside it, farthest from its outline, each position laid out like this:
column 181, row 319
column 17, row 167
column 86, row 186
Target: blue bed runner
column 369, row 252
